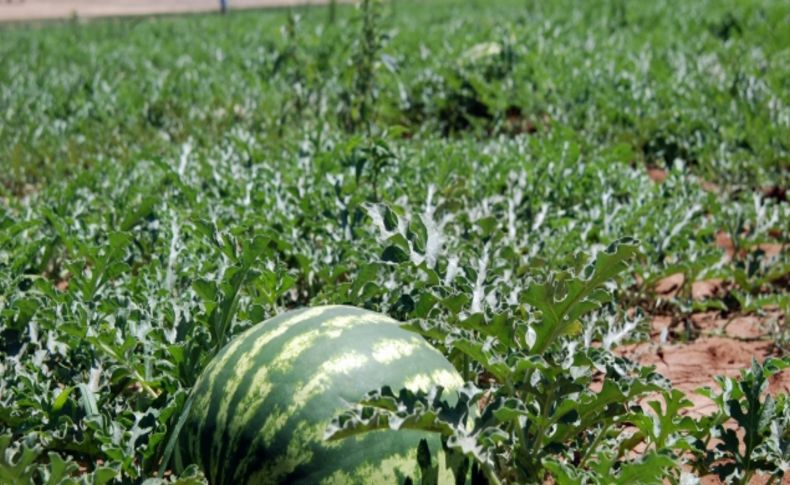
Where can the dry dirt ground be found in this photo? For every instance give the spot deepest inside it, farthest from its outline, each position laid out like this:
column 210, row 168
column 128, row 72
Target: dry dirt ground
column 721, row 345
column 690, row 350
column 27, row 10
column 725, row 347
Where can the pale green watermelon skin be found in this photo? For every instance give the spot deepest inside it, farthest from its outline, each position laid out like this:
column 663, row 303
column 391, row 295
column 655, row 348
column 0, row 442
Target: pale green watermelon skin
column 260, row 409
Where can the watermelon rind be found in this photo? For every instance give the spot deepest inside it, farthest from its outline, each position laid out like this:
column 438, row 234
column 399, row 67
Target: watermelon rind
column 259, row 411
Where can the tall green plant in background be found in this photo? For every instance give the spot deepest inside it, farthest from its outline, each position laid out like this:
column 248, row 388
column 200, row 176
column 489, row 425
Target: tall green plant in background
column 358, row 109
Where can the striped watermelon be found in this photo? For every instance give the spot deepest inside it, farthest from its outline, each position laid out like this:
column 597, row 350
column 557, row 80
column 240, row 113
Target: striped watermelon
column 260, row 409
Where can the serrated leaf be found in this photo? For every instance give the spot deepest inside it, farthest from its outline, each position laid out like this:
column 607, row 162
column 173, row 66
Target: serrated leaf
column 562, row 302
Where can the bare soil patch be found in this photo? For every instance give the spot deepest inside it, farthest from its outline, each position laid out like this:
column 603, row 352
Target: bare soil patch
column 694, row 364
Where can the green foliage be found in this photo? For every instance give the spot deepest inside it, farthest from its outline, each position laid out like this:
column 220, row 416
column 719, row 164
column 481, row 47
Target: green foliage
column 538, row 401
column 758, row 443
column 358, row 101
column 474, row 169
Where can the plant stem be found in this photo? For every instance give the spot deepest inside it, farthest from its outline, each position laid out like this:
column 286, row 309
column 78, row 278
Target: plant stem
column 490, row 474
column 593, row 445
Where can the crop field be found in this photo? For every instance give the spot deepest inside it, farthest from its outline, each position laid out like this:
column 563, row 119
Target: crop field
column 581, row 205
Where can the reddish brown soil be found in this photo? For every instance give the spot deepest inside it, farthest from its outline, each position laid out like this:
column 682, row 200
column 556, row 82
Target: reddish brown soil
column 726, row 347
column 692, row 353
column 709, row 344
column 713, row 288
column 692, row 350
column 694, row 364
column 756, row 480
column 656, row 174
column 724, row 241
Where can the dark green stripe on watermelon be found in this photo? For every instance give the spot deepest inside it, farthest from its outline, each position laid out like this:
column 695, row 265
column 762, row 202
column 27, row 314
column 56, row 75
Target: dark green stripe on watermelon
column 260, row 408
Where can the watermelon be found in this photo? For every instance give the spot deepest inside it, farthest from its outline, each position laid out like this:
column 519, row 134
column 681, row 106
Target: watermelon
column 260, row 409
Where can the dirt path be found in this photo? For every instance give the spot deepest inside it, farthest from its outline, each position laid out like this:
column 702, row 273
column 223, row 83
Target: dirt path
column 26, row 10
